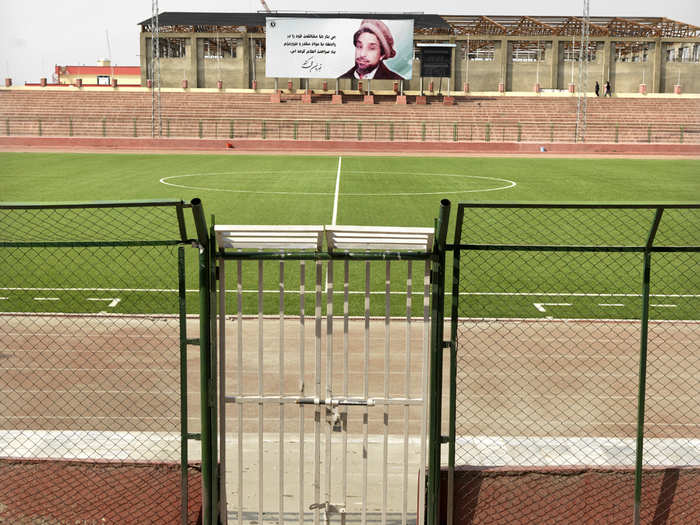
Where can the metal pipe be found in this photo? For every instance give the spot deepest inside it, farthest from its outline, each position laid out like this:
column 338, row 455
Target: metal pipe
column 437, row 328
column 641, row 398
column 183, row 384
column 204, row 360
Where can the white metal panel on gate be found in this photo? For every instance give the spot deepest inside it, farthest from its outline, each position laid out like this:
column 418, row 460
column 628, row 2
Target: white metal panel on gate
column 349, row 434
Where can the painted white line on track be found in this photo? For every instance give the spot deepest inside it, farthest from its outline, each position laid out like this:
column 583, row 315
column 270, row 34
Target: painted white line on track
column 337, row 190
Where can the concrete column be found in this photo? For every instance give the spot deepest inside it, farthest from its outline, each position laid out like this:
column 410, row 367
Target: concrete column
column 503, row 56
column 453, row 64
column 554, row 71
column 607, row 58
column 246, row 51
column 193, row 73
column 656, row 57
column 143, row 57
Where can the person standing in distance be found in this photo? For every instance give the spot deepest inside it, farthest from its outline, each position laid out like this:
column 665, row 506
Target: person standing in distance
column 608, row 89
column 373, row 44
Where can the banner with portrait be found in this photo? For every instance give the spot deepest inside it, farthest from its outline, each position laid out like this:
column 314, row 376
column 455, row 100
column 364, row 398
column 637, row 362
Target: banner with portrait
column 338, row 48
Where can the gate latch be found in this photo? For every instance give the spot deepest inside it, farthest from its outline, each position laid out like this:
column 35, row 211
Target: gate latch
column 334, row 418
column 327, row 508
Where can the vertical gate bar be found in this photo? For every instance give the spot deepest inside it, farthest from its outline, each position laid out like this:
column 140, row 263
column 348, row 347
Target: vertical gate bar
column 436, row 364
column 424, row 393
column 641, row 397
column 317, row 393
column 407, row 388
column 329, row 375
column 182, row 294
column 346, row 369
column 222, row 388
column 261, row 392
column 213, row 358
column 454, row 320
column 239, row 381
column 281, row 365
column 365, row 394
column 387, row 371
column 302, row 389
column 205, row 307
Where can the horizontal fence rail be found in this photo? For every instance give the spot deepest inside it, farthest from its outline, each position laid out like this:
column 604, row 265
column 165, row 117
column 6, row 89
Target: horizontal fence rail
column 371, row 130
column 575, row 364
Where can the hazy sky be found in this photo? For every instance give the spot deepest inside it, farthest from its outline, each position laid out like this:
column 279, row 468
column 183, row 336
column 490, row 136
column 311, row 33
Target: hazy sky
column 35, row 36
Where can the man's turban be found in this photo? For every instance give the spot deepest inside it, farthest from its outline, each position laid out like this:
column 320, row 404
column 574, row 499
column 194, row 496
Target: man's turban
column 381, row 31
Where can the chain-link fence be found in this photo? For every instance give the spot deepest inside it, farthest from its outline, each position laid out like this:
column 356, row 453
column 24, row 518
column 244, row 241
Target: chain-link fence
column 94, row 408
column 577, row 352
column 383, row 129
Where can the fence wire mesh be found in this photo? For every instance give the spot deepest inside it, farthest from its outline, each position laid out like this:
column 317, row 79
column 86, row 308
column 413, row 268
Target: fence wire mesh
column 90, row 350
column 549, row 342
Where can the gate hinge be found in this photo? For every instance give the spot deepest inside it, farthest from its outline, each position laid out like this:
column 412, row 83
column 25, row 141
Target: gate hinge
column 446, row 344
column 444, row 439
column 216, row 273
column 194, row 342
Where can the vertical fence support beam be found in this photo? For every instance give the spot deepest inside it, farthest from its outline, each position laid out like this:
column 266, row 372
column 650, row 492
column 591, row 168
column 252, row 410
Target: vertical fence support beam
column 453, row 367
column 205, row 361
column 437, row 329
column 183, row 384
column 641, row 398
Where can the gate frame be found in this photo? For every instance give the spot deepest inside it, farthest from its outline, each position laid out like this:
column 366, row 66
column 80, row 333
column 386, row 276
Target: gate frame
column 339, row 249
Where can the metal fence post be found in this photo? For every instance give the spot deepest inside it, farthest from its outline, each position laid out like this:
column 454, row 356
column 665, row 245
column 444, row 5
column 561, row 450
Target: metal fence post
column 436, row 346
column 206, row 393
column 183, row 385
column 644, row 335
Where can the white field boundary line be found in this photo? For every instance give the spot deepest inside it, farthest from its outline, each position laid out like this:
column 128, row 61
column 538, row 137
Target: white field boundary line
column 352, row 292
column 337, row 190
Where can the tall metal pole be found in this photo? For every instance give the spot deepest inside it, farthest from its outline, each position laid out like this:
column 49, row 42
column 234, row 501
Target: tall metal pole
column 583, row 73
column 156, row 117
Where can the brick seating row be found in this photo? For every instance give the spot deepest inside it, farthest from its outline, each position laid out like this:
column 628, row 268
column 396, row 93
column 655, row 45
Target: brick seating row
column 214, row 114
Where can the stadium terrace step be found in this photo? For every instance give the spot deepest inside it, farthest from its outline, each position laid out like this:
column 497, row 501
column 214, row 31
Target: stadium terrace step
column 241, row 115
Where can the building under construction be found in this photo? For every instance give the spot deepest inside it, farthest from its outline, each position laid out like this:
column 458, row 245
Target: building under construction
column 489, row 53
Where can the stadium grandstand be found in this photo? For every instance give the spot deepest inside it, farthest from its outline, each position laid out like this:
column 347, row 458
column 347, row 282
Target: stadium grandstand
column 488, row 53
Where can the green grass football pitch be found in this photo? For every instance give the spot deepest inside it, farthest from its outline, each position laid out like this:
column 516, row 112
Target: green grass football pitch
column 391, row 191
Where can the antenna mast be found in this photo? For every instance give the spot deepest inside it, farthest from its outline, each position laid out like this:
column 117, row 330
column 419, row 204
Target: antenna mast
column 156, row 116
column 580, row 135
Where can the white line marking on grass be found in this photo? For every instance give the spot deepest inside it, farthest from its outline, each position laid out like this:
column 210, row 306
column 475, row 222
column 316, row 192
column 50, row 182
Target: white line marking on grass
column 113, row 301
column 337, row 189
column 612, row 305
column 540, row 306
column 504, row 184
column 46, row 299
column 664, row 305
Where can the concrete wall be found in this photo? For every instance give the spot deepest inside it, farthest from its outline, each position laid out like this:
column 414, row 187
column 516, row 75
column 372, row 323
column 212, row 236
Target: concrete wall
column 227, row 69
column 553, row 72
column 482, row 75
column 522, row 76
